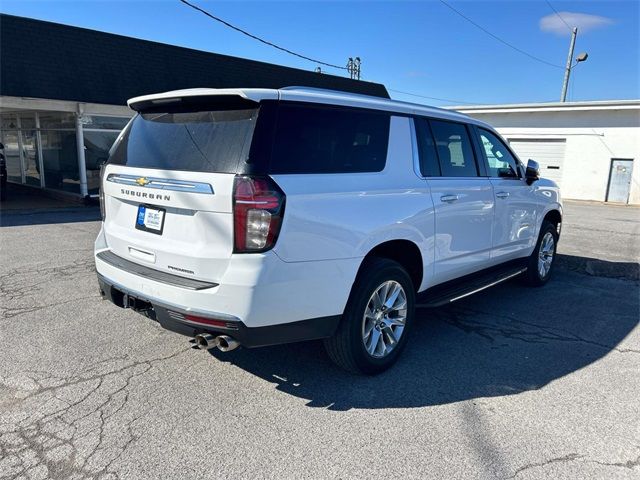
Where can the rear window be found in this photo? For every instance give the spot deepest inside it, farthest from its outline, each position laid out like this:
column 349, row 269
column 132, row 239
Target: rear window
column 454, row 149
column 205, row 141
column 310, row 139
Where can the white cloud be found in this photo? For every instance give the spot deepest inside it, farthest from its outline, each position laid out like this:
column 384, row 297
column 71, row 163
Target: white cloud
column 584, row 22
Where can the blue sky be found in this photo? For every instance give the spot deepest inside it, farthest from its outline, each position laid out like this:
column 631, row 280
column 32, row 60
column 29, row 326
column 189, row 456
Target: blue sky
column 421, row 47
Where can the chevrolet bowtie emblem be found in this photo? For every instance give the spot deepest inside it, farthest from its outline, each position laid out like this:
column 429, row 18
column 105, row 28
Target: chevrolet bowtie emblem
column 142, row 181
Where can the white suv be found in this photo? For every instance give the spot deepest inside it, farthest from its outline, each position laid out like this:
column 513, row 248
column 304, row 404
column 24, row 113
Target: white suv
column 258, row 217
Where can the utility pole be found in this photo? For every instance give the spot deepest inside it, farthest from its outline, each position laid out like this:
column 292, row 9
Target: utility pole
column 567, row 71
column 353, row 67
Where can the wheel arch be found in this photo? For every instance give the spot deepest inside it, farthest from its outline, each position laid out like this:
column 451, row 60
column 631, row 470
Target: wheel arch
column 405, row 252
column 554, row 216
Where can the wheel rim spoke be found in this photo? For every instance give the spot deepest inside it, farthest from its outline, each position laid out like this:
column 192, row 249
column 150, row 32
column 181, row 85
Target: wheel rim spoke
column 392, row 297
column 384, row 319
column 373, row 341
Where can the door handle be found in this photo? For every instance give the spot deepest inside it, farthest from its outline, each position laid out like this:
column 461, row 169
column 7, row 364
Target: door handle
column 449, row 198
column 502, row 194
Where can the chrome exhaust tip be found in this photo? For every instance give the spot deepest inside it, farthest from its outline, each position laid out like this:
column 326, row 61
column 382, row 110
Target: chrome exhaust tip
column 205, row 341
column 226, row 344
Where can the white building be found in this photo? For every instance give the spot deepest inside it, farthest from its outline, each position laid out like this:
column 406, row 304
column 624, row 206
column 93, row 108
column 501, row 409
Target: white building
column 591, row 149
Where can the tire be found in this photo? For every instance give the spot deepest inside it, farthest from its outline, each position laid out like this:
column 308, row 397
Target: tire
column 536, row 275
column 347, row 346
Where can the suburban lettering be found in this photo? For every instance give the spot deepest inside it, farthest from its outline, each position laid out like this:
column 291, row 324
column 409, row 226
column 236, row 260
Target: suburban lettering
column 151, row 196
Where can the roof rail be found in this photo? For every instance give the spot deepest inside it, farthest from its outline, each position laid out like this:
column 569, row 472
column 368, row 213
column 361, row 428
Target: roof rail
column 327, row 90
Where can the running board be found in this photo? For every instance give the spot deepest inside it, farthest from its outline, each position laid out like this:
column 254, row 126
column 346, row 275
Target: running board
column 455, row 290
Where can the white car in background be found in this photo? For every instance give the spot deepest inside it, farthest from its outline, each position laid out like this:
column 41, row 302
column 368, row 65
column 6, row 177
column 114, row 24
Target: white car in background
column 259, row 217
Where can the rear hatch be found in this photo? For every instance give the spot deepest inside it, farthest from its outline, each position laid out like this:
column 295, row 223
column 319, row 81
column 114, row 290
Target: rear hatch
column 168, row 185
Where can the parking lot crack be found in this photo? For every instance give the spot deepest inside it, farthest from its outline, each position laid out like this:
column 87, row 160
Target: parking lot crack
column 531, row 333
column 566, row 458
column 630, row 464
column 82, row 437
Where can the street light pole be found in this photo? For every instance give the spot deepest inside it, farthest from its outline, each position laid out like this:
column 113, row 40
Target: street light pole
column 567, row 71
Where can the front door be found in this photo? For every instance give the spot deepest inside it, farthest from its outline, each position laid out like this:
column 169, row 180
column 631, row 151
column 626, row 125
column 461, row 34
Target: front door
column 619, row 180
column 463, row 203
column 516, row 209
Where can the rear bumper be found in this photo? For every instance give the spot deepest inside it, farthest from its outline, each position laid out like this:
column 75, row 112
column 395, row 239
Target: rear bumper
column 260, row 290
column 177, row 320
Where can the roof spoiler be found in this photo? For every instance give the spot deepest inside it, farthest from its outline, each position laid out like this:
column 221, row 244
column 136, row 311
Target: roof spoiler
column 190, row 103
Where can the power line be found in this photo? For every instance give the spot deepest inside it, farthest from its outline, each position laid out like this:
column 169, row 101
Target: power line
column 304, row 57
column 558, row 14
column 266, row 42
column 504, row 42
column 431, row 98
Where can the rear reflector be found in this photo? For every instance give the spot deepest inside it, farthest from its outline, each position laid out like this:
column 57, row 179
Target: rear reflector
column 206, row 321
column 212, row 322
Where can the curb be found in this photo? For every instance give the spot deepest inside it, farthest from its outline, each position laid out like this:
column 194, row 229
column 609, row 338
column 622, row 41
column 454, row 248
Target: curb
column 599, row 268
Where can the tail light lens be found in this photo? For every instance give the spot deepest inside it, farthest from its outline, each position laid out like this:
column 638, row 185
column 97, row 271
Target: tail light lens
column 258, row 208
column 101, row 192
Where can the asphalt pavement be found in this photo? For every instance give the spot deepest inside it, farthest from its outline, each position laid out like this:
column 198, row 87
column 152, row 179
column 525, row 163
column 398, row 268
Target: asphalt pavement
column 513, row 383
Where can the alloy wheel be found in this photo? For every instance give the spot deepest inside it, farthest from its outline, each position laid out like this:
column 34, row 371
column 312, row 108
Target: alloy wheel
column 545, row 255
column 384, row 319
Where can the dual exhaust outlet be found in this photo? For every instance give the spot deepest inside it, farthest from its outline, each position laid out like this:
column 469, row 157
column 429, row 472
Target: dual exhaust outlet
column 224, row 343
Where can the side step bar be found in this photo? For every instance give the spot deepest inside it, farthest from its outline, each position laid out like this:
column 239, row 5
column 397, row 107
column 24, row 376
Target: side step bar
column 451, row 291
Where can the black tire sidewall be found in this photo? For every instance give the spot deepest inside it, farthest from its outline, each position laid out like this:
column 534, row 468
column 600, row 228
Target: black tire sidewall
column 369, row 279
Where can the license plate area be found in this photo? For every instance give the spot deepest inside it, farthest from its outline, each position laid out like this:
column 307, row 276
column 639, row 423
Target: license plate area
column 150, row 219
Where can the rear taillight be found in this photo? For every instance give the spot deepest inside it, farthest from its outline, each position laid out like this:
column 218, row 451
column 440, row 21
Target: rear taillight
column 101, row 192
column 258, row 207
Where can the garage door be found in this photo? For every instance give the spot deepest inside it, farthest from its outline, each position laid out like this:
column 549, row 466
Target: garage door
column 549, row 153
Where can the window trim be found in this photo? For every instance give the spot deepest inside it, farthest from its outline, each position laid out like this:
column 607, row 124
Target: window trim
column 477, row 130
column 420, row 166
column 480, row 168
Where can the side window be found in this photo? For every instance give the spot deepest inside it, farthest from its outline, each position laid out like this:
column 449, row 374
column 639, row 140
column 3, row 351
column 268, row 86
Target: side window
column 429, row 166
column 454, row 149
column 316, row 139
column 501, row 163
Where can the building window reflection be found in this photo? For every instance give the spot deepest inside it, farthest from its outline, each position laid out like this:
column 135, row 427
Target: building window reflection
column 41, row 147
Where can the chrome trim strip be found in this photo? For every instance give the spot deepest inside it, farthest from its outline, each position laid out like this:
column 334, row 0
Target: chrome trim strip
column 488, row 285
column 161, row 183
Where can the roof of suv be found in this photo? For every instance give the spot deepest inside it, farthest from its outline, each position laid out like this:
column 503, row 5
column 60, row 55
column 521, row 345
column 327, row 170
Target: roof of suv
column 312, row 95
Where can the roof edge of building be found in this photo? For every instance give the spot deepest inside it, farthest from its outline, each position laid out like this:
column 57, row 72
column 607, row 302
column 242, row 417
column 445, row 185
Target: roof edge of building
column 549, row 106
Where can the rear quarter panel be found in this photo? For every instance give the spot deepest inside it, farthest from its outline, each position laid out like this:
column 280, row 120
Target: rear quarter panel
column 339, row 216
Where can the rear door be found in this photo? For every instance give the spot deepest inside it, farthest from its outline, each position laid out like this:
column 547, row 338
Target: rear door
column 463, row 201
column 168, row 187
column 516, row 208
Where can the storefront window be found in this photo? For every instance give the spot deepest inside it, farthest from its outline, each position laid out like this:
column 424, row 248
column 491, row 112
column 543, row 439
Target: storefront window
column 57, row 120
column 30, row 157
column 60, row 159
column 103, row 122
column 96, row 152
column 12, row 155
column 19, row 131
column 99, row 134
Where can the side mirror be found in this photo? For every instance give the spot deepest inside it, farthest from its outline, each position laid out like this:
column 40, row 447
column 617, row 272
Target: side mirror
column 532, row 173
column 1, row 146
